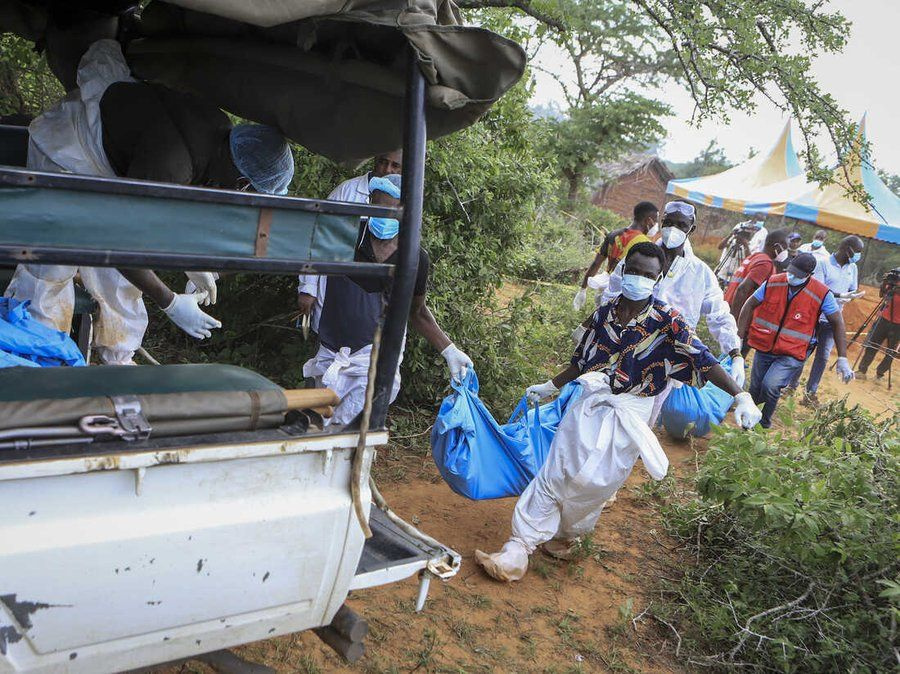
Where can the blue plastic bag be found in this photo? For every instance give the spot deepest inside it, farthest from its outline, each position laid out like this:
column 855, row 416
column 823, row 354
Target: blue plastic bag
column 25, row 341
column 479, row 458
column 693, row 411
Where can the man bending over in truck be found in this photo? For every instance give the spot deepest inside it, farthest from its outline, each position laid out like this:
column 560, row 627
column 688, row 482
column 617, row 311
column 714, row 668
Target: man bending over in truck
column 113, row 125
column 349, row 311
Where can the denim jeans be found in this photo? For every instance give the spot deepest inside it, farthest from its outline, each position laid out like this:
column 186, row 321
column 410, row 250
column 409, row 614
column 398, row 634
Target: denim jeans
column 825, row 337
column 770, row 374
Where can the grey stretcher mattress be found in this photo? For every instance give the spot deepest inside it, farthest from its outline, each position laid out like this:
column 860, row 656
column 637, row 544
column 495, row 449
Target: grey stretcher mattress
column 175, row 399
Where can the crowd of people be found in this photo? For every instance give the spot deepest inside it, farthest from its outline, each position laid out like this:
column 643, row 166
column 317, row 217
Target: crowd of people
column 782, row 299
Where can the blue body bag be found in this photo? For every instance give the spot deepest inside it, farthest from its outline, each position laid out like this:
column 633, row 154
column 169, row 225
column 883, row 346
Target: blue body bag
column 26, row 342
column 479, row 458
column 693, row 411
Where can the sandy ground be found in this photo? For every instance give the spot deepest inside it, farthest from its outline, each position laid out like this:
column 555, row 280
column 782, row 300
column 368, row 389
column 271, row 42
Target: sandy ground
column 563, row 617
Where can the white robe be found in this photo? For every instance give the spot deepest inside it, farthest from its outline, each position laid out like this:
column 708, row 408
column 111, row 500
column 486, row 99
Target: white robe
column 69, row 138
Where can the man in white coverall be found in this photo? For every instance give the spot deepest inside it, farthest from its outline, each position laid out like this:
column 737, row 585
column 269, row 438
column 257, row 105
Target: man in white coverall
column 690, row 287
column 346, row 313
column 633, row 347
column 113, row 125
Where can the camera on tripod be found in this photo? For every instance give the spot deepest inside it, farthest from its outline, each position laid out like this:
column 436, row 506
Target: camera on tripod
column 891, row 280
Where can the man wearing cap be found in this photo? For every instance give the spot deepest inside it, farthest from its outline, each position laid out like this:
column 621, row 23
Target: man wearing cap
column 780, row 321
column 689, row 286
column 113, row 125
column 351, row 309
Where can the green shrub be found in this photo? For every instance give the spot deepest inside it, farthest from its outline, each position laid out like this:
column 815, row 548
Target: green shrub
column 796, row 540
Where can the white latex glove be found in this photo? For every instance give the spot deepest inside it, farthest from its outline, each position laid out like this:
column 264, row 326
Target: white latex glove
column 203, row 281
column 457, row 361
column 578, row 334
column 599, row 281
column 844, row 370
column 857, row 294
column 539, row 392
column 746, row 413
column 185, row 313
column 737, row 371
column 580, row 298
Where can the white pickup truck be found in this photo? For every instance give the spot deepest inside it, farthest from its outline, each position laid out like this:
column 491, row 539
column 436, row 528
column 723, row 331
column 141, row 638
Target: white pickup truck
column 156, row 513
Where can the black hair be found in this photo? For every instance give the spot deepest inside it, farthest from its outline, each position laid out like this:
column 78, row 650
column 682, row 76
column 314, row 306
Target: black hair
column 648, row 249
column 643, row 209
column 777, row 236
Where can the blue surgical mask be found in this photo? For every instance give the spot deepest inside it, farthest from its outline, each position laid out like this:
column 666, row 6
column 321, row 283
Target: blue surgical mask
column 384, row 228
column 636, row 287
column 856, row 257
column 796, row 280
column 816, row 244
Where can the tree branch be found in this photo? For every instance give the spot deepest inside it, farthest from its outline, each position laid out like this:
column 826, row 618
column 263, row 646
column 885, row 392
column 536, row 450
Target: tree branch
column 522, row 5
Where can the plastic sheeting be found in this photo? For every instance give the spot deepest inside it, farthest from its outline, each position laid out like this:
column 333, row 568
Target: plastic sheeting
column 479, row 458
column 694, row 411
column 26, row 342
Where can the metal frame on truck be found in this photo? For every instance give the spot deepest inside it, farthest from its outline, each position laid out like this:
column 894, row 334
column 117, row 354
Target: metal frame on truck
column 397, row 550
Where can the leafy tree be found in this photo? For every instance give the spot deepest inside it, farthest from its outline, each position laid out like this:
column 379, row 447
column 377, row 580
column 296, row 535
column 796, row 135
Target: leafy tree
column 27, row 87
column 726, row 54
column 892, row 180
column 711, row 160
column 607, row 46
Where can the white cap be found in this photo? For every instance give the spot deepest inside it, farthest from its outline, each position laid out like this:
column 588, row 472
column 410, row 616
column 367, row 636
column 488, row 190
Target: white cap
column 680, row 207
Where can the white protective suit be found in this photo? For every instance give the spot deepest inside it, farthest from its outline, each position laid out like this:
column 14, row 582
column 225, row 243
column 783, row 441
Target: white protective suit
column 691, row 288
column 69, row 138
column 343, row 372
column 595, row 448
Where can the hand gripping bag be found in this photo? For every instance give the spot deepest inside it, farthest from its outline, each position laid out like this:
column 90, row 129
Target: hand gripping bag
column 479, row 458
column 694, row 411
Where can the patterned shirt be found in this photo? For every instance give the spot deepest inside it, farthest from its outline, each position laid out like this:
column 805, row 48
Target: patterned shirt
column 640, row 357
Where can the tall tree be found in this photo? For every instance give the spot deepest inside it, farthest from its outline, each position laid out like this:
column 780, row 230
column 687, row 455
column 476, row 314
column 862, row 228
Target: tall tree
column 727, row 53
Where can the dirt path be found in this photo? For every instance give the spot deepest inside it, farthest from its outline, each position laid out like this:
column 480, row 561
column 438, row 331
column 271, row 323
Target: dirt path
column 563, row 617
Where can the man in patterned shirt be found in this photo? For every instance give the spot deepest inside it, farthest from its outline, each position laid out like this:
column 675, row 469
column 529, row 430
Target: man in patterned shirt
column 634, row 345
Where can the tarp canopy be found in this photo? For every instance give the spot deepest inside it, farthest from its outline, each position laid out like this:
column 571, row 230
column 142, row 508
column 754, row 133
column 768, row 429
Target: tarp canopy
column 831, row 206
column 330, row 74
column 774, row 184
column 732, row 189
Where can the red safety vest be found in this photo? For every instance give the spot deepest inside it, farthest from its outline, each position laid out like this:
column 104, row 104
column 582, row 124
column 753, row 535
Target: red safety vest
column 739, row 275
column 786, row 327
column 622, row 244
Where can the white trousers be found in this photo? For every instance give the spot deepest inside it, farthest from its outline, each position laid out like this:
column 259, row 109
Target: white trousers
column 121, row 318
column 595, row 448
column 69, row 138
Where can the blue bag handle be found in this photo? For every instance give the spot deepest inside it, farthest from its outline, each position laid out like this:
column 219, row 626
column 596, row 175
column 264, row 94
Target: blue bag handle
column 522, row 409
column 469, row 383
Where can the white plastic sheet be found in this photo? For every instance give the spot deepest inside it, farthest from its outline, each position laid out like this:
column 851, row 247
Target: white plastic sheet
column 596, row 446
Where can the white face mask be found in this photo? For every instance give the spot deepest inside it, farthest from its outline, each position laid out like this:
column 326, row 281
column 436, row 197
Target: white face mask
column 672, row 237
column 654, row 229
column 782, row 256
column 796, row 280
column 636, row 287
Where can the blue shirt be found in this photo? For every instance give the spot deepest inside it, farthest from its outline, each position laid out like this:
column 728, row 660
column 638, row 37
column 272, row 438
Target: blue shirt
column 657, row 345
column 829, row 304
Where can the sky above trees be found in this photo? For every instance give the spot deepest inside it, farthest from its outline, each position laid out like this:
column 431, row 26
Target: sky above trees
column 860, row 78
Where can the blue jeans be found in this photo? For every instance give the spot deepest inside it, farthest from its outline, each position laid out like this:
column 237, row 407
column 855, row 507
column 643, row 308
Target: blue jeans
column 770, row 374
column 825, row 337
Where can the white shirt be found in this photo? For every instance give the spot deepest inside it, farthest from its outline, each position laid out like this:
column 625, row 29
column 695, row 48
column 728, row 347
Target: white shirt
column 691, row 288
column 821, row 253
column 354, row 190
column 839, row 278
column 758, row 242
